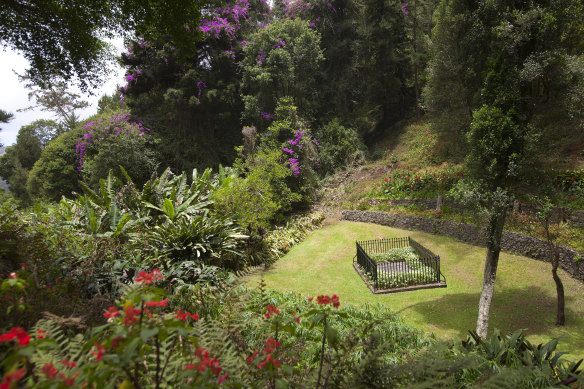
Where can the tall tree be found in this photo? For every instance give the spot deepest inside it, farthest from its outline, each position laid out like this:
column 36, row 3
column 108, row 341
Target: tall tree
column 496, row 143
column 19, row 159
column 493, row 64
column 54, row 97
column 280, row 60
column 382, row 63
column 551, row 225
column 194, row 107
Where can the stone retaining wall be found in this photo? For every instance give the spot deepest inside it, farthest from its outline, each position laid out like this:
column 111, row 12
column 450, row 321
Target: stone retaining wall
column 574, row 216
column 511, row 241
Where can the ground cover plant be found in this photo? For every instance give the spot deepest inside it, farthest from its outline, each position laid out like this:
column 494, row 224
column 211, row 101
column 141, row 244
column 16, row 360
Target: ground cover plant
column 414, row 273
column 397, row 254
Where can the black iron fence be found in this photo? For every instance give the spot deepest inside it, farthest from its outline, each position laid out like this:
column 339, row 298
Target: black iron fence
column 421, row 268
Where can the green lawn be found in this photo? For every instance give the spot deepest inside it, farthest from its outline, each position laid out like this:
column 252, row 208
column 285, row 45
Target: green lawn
column 524, row 293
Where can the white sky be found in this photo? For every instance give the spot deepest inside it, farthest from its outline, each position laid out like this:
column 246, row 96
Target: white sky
column 13, row 94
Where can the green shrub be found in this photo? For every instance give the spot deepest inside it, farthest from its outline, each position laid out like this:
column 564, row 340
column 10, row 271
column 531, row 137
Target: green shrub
column 54, row 174
column 339, row 147
column 111, row 141
column 262, row 195
column 407, row 183
column 395, row 255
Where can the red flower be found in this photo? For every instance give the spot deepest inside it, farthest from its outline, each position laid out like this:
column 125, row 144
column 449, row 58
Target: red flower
column 573, row 198
column 271, row 345
column 324, row 300
column 131, row 313
column 11, row 378
column 69, row 364
column 269, row 359
column 335, row 301
column 185, row 315
column 223, row 378
column 386, row 180
column 111, row 312
column 162, row 303
column 271, row 310
column 41, row 334
column 205, row 363
column 149, row 278
column 13, row 275
column 14, row 334
column 251, row 358
column 69, row 381
column 117, row 341
column 49, row 370
column 296, row 317
column 99, row 353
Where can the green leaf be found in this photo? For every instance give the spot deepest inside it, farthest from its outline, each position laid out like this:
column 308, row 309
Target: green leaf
column 26, row 351
column 332, row 335
column 130, row 349
column 169, row 209
column 147, row 333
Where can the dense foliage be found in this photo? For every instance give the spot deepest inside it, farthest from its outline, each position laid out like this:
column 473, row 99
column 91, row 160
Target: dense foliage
column 123, row 274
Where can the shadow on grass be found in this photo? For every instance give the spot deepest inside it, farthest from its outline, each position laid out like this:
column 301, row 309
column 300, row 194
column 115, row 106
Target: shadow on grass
column 531, row 308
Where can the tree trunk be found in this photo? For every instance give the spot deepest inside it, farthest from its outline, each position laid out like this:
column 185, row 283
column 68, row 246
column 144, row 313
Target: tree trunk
column 560, row 315
column 495, row 231
column 415, row 45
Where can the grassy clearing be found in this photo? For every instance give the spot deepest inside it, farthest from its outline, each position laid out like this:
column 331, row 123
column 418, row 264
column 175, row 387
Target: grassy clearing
column 524, row 293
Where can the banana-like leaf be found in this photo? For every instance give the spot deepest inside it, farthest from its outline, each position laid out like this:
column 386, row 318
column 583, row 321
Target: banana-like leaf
column 127, row 176
column 114, row 216
column 169, row 209
column 121, row 225
column 91, row 195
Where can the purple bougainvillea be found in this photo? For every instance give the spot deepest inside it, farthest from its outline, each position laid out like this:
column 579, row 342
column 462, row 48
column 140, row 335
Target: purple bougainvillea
column 301, row 139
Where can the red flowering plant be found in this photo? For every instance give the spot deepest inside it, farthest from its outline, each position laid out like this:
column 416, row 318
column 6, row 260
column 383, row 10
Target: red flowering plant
column 143, row 344
column 13, row 293
column 266, row 362
column 404, row 182
column 326, row 306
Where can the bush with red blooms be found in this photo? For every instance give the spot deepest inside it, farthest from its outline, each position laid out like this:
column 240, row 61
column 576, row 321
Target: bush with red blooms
column 141, row 345
column 403, row 182
column 146, row 344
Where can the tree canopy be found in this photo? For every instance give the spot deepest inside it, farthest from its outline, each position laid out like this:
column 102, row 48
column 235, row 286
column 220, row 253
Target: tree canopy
column 68, row 39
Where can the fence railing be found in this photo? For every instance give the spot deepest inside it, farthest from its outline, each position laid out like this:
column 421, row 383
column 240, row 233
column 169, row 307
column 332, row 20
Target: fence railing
column 425, row 269
column 367, row 264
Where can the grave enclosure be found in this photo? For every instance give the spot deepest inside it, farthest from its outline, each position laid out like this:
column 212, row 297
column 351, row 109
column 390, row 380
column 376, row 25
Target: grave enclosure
column 411, row 266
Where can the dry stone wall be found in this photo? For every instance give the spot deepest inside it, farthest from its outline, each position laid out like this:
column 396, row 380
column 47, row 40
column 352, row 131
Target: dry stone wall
column 574, row 216
column 511, row 241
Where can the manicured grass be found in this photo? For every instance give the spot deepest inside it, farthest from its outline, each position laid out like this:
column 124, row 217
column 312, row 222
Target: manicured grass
column 525, row 295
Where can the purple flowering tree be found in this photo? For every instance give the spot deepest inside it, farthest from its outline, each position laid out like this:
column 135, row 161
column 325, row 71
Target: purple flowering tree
column 192, row 100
